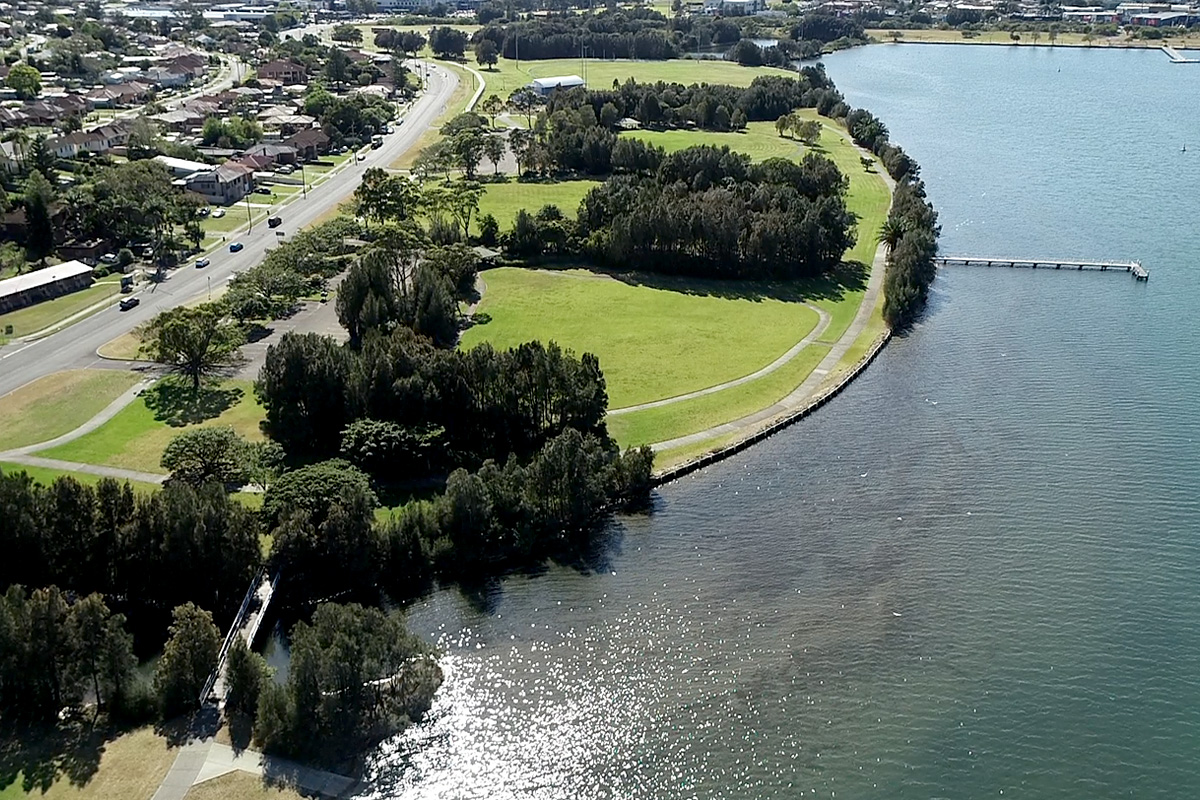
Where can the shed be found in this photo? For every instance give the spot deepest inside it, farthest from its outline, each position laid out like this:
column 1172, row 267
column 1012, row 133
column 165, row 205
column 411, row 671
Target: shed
column 545, row 86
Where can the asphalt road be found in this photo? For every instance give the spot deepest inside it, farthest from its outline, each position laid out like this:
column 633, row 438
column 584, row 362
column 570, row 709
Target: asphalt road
column 75, row 346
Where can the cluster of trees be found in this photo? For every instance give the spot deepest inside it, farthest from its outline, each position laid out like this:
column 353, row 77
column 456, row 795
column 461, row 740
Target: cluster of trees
column 232, row 131
column 709, row 211
column 868, row 131
column 55, row 651
column 826, row 28
column 448, row 43
column 356, row 676
column 486, row 403
column 910, row 233
column 146, row 554
column 798, row 127
column 348, row 120
column 640, row 33
column 126, row 203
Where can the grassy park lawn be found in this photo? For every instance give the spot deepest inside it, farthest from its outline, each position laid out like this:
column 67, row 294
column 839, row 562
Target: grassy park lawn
column 759, row 141
column 689, row 416
column 124, row 347
column 49, row 312
column 135, row 438
column 130, row 766
column 58, row 403
column 504, row 200
column 508, row 75
column 657, row 339
column 239, row 786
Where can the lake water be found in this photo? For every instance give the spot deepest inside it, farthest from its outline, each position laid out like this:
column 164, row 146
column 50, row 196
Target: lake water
column 972, row 575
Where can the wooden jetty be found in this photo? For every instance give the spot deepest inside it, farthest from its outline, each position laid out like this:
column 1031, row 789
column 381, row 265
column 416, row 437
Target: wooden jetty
column 1134, row 268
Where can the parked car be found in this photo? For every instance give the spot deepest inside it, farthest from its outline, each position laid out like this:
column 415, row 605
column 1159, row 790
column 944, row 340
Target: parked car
column 108, row 258
column 262, row 190
column 204, row 212
column 235, row 246
column 218, row 213
column 201, row 263
column 274, row 222
column 129, row 302
column 286, row 169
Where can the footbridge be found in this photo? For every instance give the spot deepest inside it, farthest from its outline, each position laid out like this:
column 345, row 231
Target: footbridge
column 246, row 624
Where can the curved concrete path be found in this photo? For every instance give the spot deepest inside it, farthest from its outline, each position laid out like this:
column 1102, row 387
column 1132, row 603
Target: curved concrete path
column 808, row 388
column 823, row 320
column 25, row 455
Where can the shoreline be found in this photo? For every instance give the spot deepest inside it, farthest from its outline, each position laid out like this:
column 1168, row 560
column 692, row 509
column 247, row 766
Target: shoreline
column 1142, row 45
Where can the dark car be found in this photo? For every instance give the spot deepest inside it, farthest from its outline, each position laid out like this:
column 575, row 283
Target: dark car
column 233, row 248
column 262, row 190
column 129, row 302
column 274, row 222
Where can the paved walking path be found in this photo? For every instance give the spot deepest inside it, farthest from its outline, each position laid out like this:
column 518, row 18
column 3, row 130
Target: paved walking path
column 223, row 759
column 805, row 391
column 822, row 323
column 185, row 771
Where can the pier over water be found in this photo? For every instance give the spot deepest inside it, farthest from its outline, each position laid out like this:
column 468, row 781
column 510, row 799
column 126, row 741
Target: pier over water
column 1134, row 268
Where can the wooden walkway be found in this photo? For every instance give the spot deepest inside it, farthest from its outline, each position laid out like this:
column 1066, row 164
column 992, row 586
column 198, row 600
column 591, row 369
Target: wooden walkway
column 1134, row 268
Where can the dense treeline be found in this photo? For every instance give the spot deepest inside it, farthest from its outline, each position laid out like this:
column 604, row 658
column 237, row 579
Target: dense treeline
column 486, row 403
column 709, row 211
column 55, row 650
column 638, row 33
column 146, row 553
column 501, row 516
column 643, row 33
column 911, row 232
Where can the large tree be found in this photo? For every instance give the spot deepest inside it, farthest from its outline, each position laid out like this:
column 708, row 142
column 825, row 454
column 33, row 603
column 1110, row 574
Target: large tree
column 103, row 650
column 486, row 53
column 188, row 658
column 195, row 341
column 39, row 237
column 206, row 454
column 25, row 81
column 381, row 197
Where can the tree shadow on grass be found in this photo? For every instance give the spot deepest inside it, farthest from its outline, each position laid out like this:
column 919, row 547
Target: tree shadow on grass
column 849, row 276
column 176, row 403
column 38, row 756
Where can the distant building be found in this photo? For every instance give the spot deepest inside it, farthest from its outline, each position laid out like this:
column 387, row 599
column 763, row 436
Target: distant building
column 286, row 72
column 545, row 86
column 43, row 284
column 309, row 143
column 181, row 167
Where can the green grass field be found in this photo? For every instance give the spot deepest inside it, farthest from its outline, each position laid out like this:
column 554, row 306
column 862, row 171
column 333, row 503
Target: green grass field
column 58, row 403
column 504, row 200
column 50, row 312
column 599, row 318
column 135, row 438
column 508, row 76
column 679, row 419
column 239, row 786
column 653, row 340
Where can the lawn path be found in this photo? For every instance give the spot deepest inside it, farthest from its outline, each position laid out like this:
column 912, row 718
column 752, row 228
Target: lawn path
column 24, row 455
column 822, row 324
column 805, row 391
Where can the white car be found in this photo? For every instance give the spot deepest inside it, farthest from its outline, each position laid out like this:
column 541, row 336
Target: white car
column 218, row 213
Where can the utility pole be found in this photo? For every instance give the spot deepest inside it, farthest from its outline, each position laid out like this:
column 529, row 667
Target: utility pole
column 249, row 215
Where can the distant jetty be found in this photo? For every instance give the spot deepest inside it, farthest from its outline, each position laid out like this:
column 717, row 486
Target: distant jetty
column 1178, row 57
column 1134, row 268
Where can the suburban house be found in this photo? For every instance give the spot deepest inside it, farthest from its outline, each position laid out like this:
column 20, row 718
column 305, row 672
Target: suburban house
column 309, row 143
column 43, row 284
column 119, row 95
column 286, row 72
column 275, row 153
column 99, row 140
column 224, row 185
column 167, row 77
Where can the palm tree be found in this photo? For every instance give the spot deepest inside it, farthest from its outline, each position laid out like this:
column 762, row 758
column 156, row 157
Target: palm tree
column 891, row 232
